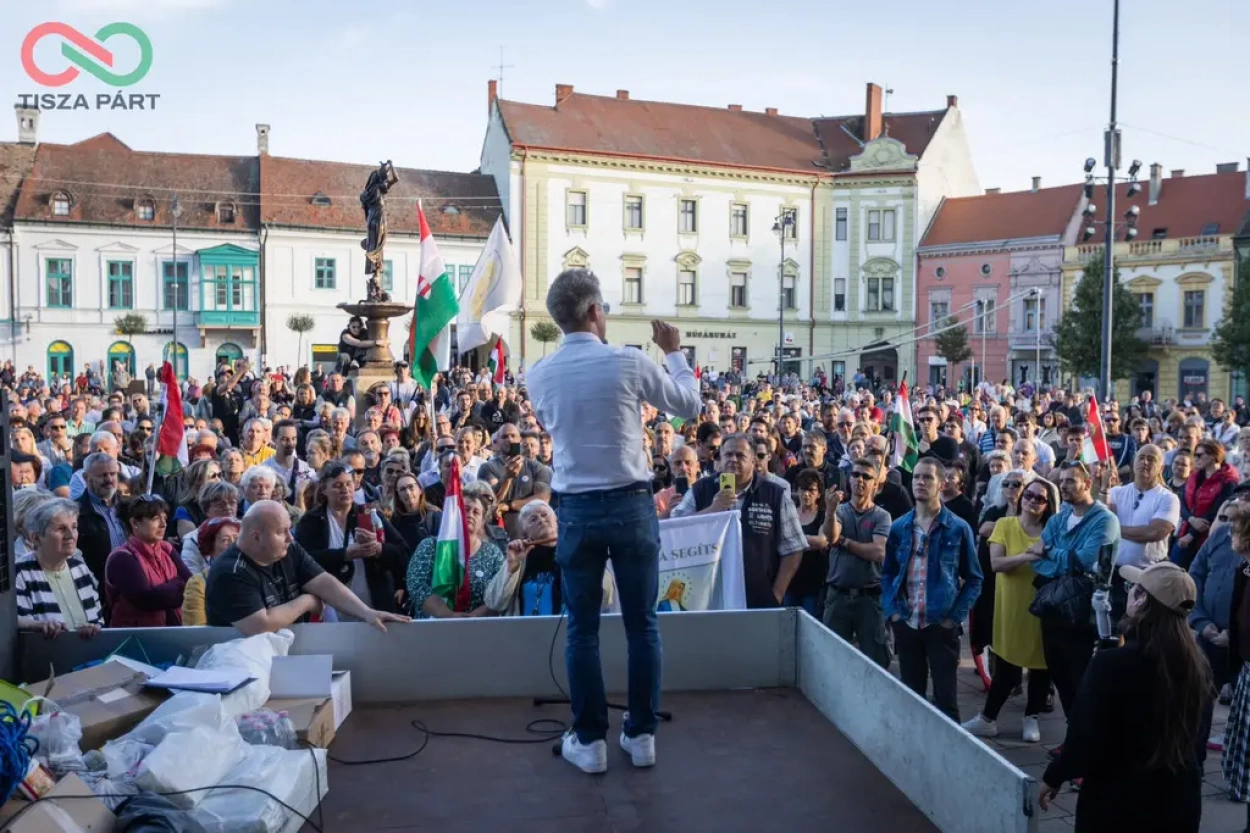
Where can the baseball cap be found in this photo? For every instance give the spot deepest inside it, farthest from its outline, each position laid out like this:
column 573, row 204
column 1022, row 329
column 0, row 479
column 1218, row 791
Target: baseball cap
column 1168, row 583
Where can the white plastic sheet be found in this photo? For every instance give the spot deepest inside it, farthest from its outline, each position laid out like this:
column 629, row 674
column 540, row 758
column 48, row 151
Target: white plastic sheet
column 189, row 760
column 255, row 653
column 182, row 713
column 291, row 775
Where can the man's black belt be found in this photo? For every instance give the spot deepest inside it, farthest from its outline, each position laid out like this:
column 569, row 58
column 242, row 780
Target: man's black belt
column 856, row 591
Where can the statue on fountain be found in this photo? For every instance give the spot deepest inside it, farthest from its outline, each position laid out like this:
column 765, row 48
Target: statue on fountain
column 373, row 202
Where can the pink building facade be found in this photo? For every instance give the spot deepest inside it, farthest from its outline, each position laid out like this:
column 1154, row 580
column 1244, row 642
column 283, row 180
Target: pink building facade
column 971, row 286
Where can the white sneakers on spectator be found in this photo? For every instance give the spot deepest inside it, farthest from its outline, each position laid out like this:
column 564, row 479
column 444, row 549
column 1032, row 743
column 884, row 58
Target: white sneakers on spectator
column 641, row 749
column 591, row 758
column 1032, row 733
column 980, row 727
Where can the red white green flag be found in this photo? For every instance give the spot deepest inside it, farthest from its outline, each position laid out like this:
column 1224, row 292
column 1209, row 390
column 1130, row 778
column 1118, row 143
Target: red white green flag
column 450, row 579
column 1096, row 448
column 429, row 339
column 171, row 449
column 906, row 449
column 497, row 362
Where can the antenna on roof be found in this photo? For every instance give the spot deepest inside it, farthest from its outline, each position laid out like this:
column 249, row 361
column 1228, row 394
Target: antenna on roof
column 885, row 108
column 501, row 67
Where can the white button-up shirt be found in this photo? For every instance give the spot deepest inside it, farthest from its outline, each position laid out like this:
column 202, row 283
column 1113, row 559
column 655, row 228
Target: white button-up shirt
column 588, row 395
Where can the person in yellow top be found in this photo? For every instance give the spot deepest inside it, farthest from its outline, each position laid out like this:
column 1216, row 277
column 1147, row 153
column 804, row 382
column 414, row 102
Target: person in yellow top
column 1017, row 637
column 253, row 445
column 215, row 536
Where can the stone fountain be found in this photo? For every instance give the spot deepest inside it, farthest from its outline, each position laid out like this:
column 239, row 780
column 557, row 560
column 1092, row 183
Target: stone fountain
column 377, row 309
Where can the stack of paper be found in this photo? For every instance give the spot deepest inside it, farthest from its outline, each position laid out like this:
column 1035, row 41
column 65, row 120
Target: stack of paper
column 213, row 680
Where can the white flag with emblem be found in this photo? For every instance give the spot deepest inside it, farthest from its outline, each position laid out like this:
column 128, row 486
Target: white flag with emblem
column 493, row 291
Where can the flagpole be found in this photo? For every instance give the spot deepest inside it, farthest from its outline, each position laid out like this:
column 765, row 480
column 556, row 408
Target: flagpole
column 151, row 459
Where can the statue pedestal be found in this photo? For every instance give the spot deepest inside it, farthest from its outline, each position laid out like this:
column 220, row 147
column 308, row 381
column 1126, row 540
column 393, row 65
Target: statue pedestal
column 379, row 364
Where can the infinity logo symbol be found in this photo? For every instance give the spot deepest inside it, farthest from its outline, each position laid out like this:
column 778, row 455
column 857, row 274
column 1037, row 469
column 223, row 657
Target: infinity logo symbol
column 89, row 55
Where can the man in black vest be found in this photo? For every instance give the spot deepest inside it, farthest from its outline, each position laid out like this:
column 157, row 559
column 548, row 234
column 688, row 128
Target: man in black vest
column 772, row 535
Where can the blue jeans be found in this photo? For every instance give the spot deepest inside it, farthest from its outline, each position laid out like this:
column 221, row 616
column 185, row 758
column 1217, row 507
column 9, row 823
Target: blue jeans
column 619, row 524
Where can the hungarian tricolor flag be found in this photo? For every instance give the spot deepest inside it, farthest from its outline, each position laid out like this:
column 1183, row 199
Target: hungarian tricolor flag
column 429, row 338
column 1096, row 448
column 497, row 362
column 450, row 578
column 171, row 450
column 698, row 372
column 906, row 449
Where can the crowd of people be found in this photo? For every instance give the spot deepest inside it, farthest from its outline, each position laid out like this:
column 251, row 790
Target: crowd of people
column 307, row 501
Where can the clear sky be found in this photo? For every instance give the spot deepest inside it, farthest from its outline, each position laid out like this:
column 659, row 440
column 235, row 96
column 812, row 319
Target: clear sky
column 373, row 79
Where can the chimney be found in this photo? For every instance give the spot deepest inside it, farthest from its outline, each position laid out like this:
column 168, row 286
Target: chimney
column 770, row 111
column 262, row 139
column 563, row 91
column 1177, row 173
column 872, row 113
column 623, row 95
column 492, row 93
column 1227, row 167
column 952, row 101
column 1037, row 184
column 27, row 125
column 1156, row 183
column 993, row 190
column 737, row 108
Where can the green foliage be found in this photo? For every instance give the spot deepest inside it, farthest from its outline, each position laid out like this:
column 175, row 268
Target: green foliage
column 1078, row 334
column 301, row 324
column 545, row 332
column 952, row 344
column 131, row 324
column 1230, row 343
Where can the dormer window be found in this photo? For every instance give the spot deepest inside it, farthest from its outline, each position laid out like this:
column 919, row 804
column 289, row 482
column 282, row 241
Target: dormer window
column 225, row 212
column 450, row 209
column 1210, row 229
column 145, row 209
column 60, row 204
column 320, row 198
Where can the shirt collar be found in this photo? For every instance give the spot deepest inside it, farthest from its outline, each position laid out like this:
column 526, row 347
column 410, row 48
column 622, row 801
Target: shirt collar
column 579, row 338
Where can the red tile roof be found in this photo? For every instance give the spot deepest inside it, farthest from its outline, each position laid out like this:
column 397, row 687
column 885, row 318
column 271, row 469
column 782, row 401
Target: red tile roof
column 15, row 163
column 456, row 204
column 105, row 178
column 735, row 138
column 1012, row 216
column 1186, row 205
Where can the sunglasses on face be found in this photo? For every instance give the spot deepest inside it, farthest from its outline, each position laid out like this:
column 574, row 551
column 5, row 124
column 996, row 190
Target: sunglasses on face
column 860, row 475
column 1011, row 484
column 1033, row 497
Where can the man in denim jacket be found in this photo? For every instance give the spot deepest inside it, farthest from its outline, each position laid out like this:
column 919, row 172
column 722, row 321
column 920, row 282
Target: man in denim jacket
column 1073, row 542
column 929, row 581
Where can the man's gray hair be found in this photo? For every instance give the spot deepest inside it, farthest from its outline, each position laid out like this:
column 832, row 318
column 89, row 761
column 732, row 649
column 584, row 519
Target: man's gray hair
column 529, row 510
column 570, row 297
column 40, row 516
column 100, row 439
column 98, row 457
column 215, row 490
column 341, row 413
column 258, row 473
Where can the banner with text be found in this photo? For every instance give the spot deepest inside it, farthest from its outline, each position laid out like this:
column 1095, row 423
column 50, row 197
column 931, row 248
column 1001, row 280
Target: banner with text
column 700, row 564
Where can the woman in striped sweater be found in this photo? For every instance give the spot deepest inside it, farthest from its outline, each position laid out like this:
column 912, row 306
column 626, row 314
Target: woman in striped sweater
column 55, row 590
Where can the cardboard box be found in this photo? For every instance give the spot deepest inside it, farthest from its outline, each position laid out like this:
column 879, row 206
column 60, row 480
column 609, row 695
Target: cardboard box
column 77, row 815
column 313, row 719
column 341, row 694
column 109, row 699
column 317, row 699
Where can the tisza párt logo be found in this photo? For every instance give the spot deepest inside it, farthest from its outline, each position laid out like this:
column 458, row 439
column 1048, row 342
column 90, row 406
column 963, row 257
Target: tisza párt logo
column 87, row 54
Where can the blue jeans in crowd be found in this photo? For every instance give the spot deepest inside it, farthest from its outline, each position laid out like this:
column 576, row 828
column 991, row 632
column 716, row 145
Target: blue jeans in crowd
column 619, row 524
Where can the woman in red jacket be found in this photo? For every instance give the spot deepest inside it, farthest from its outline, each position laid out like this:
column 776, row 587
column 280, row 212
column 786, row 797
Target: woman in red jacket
column 144, row 578
column 1210, row 484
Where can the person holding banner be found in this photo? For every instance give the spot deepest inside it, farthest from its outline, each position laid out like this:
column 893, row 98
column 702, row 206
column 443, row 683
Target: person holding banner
column 589, row 395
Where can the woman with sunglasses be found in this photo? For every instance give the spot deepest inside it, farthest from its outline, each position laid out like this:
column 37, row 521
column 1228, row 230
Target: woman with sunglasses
column 144, row 579
column 189, row 513
column 1016, row 641
column 1135, row 733
column 1210, row 484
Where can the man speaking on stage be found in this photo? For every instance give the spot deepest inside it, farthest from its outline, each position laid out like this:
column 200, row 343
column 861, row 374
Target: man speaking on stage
column 588, row 395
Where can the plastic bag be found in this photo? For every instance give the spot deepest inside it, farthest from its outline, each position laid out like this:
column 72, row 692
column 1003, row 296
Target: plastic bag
column 185, row 761
column 58, row 733
column 255, row 654
column 123, row 756
column 268, row 728
column 155, row 814
column 181, row 713
column 293, row 776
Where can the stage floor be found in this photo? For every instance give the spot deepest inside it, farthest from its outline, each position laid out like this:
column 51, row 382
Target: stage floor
column 759, row 761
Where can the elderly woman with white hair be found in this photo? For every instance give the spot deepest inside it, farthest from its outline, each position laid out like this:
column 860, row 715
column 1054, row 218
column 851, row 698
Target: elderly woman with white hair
column 258, row 483
column 24, row 500
column 529, row 584
column 218, row 499
column 54, row 589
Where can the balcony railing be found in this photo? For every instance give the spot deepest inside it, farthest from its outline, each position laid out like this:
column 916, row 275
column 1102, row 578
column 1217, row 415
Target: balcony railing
column 228, row 319
column 1160, row 336
column 1178, row 247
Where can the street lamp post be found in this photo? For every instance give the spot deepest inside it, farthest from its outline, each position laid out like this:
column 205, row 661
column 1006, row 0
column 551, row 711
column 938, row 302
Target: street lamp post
column 782, row 226
column 1037, row 322
column 176, row 212
column 982, row 317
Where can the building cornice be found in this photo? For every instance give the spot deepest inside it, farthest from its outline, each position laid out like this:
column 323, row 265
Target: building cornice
column 1021, row 244
column 683, row 167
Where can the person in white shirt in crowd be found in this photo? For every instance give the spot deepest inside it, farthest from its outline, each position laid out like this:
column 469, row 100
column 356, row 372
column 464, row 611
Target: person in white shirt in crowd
column 258, row 483
column 1149, row 513
column 294, row 473
column 105, row 442
column 1240, row 458
column 466, row 449
column 588, row 396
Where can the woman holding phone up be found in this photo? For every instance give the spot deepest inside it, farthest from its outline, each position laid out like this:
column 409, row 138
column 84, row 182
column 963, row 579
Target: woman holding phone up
column 344, row 540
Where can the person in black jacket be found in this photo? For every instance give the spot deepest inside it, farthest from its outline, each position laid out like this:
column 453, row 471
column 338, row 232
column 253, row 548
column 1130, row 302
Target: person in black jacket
column 342, row 550
column 1135, row 732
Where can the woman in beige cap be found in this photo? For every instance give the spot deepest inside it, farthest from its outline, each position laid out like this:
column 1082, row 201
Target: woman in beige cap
column 1135, row 736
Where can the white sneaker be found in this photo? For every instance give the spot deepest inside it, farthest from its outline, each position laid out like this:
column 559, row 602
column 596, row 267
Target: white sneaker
column 641, row 749
column 1032, row 733
column 980, row 727
column 591, row 758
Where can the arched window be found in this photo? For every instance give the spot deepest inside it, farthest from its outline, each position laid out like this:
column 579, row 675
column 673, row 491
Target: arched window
column 61, row 204
column 145, row 209
column 180, row 366
column 120, row 351
column 230, row 352
column 60, row 359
